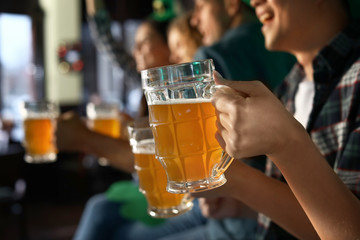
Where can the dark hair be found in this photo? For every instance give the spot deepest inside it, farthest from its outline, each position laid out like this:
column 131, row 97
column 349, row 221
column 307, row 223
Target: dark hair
column 159, row 26
column 346, row 6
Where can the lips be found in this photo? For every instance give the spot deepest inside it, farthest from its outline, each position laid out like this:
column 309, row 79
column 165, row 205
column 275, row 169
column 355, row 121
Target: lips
column 266, row 17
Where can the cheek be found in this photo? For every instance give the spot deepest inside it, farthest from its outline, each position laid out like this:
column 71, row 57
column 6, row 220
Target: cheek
column 147, row 50
column 175, row 52
column 184, row 53
column 173, row 48
column 191, row 49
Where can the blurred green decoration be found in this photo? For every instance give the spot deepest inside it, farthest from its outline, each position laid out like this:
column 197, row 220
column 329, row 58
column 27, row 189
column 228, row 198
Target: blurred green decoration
column 354, row 8
column 134, row 204
column 163, row 10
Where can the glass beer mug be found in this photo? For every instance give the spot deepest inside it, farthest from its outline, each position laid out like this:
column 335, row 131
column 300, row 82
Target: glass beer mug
column 104, row 118
column 152, row 176
column 39, row 126
column 183, row 122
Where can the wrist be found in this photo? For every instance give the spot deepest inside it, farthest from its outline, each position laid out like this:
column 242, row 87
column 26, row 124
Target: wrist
column 85, row 141
column 297, row 143
column 234, row 175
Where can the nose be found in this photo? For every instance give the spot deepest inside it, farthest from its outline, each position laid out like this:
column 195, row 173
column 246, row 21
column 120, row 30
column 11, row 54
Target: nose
column 194, row 21
column 255, row 3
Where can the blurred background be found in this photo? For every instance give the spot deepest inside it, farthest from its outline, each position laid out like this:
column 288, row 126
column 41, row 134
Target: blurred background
column 47, row 51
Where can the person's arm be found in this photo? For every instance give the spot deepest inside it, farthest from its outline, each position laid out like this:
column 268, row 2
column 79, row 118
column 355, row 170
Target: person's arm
column 331, row 207
column 72, row 134
column 225, row 207
column 252, row 121
column 265, row 195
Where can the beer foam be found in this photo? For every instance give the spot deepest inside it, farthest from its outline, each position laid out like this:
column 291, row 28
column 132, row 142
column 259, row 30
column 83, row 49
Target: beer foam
column 105, row 118
column 146, row 146
column 181, row 101
column 39, row 117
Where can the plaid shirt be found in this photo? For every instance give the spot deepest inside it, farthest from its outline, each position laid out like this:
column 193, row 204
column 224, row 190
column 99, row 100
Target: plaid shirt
column 334, row 123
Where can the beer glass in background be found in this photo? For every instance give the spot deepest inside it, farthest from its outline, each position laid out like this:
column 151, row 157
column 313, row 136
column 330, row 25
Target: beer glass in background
column 183, row 122
column 152, row 176
column 104, row 118
column 39, row 122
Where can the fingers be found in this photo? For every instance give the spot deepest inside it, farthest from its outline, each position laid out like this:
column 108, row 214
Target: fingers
column 227, row 146
column 221, row 135
column 245, row 88
column 220, row 139
column 229, row 107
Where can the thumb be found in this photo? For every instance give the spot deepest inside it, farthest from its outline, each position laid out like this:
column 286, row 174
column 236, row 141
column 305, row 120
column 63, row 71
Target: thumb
column 219, row 80
column 245, row 88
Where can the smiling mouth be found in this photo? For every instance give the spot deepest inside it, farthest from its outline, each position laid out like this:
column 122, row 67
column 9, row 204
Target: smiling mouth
column 266, row 17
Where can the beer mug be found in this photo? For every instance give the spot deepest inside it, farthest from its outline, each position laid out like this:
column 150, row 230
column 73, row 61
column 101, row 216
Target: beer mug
column 39, row 122
column 152, row 176
column 183, row 122
column 104, row 118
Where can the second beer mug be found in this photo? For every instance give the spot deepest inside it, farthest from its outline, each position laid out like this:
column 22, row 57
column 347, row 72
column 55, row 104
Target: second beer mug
column 152, row 176
column 39, row 126
column 104, row 119
column 183, row 122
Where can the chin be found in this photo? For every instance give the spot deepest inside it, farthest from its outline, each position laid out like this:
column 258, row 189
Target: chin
column 270, row 47
column 278, row 42
column 273, row 45
column 207, row 41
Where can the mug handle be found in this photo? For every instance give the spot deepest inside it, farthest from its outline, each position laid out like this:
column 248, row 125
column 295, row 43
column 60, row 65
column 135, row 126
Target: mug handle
column 221, row 167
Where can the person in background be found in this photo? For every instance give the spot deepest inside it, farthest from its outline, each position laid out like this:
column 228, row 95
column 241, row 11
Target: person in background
column 101, row 217
column 98, row 215
column 233, row 39
column 150, row 41
column 150, row 47
column 313, row 140
column 183, row 39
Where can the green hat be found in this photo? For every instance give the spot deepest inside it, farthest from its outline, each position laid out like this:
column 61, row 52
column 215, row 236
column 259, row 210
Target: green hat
column 163, row 10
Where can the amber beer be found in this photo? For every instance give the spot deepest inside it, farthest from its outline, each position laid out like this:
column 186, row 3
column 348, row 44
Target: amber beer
column 183, row 122
column 39, row 127
column 152, row 183
column 104, row 119
column 185, row 139
column 39, row 139
column 152, row 176
column 107, row 126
